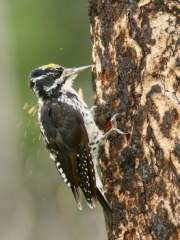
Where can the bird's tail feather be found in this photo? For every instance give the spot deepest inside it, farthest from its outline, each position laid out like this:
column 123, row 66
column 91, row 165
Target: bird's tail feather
column 105, row 205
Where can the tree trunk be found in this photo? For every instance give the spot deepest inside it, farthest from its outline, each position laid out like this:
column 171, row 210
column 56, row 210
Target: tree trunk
column 135, row 74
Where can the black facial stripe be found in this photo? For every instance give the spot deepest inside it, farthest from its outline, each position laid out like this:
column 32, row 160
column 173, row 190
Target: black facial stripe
column 52, row 71
column 31, row 84
column 37, row 73
column 47, row 81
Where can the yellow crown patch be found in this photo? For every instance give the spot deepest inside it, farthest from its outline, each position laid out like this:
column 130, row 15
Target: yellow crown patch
column 50, row 65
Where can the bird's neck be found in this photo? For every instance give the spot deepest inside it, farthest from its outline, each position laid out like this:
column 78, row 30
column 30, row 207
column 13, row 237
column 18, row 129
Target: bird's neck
column 57, row 93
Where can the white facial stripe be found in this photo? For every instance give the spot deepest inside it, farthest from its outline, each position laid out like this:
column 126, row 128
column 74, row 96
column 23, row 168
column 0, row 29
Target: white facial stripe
column 66, row 86
column 51, row 87
column 38, row 78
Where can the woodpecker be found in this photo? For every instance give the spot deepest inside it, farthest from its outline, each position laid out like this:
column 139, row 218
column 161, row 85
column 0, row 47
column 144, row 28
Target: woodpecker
column 69, row 131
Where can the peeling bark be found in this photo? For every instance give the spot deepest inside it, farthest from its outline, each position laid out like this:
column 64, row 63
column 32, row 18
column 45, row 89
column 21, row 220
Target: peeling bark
column 136, row 73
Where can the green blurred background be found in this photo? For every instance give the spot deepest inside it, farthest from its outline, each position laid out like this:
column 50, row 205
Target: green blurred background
column 35, row 204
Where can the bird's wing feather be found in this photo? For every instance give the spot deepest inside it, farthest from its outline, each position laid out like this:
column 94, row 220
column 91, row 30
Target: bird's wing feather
column 66, row 134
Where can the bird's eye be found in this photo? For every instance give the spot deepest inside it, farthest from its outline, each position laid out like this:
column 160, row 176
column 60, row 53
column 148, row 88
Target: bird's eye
column 57, row 75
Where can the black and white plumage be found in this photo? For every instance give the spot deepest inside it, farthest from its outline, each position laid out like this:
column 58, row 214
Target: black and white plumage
column 67, row 141
column 69, row 131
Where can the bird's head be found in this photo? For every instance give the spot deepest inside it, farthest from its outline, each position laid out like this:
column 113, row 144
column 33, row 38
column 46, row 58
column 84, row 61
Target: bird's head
column 49, row 80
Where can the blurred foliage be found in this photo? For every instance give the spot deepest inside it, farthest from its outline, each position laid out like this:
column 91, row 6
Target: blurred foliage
column 40, row 205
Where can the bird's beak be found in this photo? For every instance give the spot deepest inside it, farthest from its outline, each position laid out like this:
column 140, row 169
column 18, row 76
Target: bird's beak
column 74, row 71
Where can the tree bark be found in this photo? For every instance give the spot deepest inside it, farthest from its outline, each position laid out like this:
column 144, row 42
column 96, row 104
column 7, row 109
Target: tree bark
column 136, row 74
